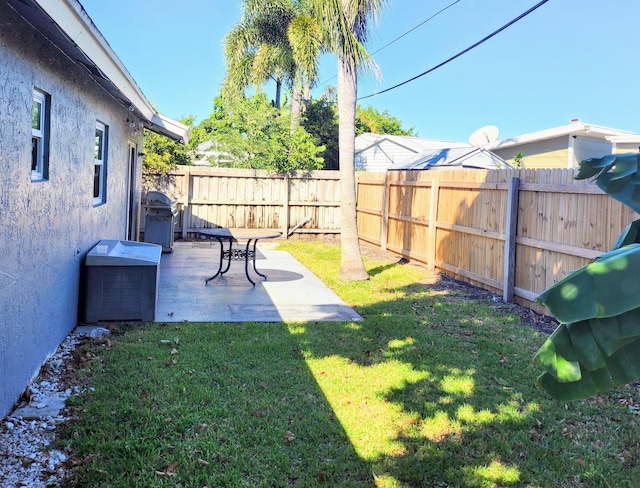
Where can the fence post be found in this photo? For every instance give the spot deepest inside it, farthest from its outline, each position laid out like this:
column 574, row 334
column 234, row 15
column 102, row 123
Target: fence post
column 433, row 225
column 285, row 205
column 510, row 240
column 186, row 220
column 186, row 205
column 384, row 231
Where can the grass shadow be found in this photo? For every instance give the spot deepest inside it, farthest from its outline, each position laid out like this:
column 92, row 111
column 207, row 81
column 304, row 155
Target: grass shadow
column 208, row 405
column 433, row 388
column 436, row 389
column 374, row 271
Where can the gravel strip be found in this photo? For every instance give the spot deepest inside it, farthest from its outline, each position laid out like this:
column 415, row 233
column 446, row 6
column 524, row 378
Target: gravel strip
column 27, row 432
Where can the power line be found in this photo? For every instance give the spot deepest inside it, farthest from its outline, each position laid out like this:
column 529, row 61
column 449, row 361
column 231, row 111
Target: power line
column 473, row 46
column 402, row 35
column 414, row 28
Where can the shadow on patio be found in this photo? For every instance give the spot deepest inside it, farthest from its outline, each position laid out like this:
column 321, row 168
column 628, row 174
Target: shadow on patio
column 290, row 294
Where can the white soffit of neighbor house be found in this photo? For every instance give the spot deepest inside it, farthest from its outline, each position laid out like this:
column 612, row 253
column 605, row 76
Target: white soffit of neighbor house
column 627, row 139
column 68, row 26
column 575, row 127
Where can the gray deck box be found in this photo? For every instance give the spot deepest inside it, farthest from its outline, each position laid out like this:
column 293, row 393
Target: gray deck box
column 122, row 281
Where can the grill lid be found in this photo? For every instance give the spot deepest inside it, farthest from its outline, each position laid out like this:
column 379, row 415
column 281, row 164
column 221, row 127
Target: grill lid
column 159, row 199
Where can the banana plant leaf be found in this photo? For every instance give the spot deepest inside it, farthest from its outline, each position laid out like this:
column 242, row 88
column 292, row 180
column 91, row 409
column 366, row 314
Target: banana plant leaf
column 587, row 345
column 620, row 369
column 597, row 345
column 577, row 367
column 617, row 175
column 630, row 235
column 592, row 167
column 606, row 287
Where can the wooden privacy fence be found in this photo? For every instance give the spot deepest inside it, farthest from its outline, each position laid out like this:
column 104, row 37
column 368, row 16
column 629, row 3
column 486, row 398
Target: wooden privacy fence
column 514, row 232
column 225, row 197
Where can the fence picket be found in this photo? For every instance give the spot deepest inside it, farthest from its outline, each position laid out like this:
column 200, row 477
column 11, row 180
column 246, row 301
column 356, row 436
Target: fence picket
column 470, row 224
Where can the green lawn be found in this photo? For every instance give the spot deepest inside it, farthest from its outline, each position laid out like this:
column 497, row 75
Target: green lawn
column 430, row 389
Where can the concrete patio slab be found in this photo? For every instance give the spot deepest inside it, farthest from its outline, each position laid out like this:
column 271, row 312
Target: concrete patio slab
column 291, row 292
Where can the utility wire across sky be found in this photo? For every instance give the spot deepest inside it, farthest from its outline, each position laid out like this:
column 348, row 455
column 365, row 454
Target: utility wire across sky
column 473, row 46
column 414, row 28
column 402, row 35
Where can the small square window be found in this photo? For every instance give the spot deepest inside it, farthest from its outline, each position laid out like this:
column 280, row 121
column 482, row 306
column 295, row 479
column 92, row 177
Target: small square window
column 40, row 136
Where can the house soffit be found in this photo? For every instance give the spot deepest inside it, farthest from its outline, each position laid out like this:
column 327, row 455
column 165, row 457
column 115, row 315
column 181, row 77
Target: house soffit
column 68, row 27
column 578, row 129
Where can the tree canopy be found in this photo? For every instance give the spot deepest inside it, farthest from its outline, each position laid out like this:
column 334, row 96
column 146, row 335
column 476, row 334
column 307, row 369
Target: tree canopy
column 321, row 120
column 251, row 133
column 162, row 154
column 277, row 40
column 371, row 120
column 281, row 40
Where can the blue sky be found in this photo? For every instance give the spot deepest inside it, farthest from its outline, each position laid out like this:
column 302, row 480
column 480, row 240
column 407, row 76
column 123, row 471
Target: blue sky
column 568, row 59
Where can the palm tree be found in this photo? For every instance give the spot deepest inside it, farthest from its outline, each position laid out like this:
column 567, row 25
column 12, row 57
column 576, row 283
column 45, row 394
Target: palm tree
column 257, row 49
column 305, row 38
column 344, row 24
column 276, row 39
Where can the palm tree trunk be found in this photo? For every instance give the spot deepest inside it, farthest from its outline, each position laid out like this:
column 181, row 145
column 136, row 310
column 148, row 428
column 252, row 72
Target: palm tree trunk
column 351, row 265
column 278, row 91
column 307, row 95
column 296, row 106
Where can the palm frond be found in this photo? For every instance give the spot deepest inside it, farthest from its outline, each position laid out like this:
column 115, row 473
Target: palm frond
column 344, row 26
column 305, row 38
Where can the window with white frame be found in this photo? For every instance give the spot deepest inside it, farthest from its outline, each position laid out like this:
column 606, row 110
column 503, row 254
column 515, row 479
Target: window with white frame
column 40, row 136
column 100, row 164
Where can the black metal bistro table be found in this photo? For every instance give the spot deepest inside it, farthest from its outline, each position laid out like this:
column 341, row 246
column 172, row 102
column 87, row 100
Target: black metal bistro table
column 247, row 253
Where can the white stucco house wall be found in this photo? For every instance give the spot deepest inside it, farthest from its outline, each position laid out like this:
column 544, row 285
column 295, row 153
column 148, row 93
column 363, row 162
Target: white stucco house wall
column 561, row 147
column 380, row 152
column 70, row 139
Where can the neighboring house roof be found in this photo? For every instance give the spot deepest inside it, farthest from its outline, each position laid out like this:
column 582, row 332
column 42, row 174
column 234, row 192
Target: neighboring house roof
column 460, row 157
column 68, row 26
column 626, row 139
column 576, row 127
column 377, row 152
column 207, row 153
column 415, row 144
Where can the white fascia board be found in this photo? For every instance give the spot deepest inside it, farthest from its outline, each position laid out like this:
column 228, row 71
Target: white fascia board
column 74, row 21
column 630, row 139
column 417, row 144
column 404, row 141
column 400, row 142
column 169, row 127
column 565, row 130
column 365, row 140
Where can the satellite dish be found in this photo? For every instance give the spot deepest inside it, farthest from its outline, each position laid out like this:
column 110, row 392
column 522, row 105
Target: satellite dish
column 484, row 135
